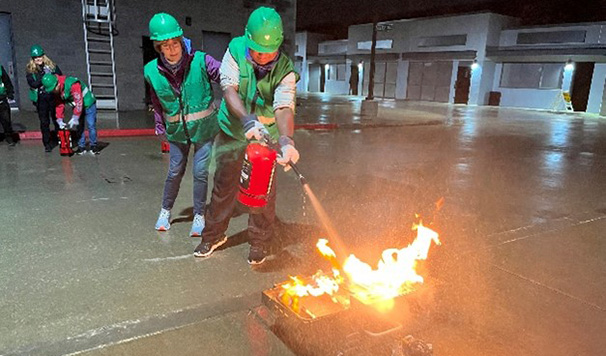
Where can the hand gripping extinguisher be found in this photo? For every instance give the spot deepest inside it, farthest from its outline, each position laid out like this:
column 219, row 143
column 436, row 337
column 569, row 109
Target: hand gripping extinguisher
column 65, row 143
column 257, row 175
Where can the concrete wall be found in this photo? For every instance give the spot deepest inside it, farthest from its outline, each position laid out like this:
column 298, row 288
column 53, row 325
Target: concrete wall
column 333, row 47
column 598, row 89
column 57, row 27
column 481, row 30
column 532, row 98
column 594, row 35
column 62, row 37
column 406, row 34
column 337, row 87
column 483, row 76
column 340, row 87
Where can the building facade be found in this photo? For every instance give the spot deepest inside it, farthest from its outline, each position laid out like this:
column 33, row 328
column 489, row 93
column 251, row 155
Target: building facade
column 475, row 59
column 72, row 33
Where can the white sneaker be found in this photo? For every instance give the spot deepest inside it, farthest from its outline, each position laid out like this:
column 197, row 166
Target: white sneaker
column 163, row 222
column 197, row 226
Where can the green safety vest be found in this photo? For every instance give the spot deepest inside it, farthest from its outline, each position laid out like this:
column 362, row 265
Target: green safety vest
column 89, row 98
column 33, row 92
column 194, row 107
column 2, row 87
column 249, row 86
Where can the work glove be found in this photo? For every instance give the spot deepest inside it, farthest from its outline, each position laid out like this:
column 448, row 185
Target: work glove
column 61, row 124
column 73, row 123
column 253, row 128
column 288, row 152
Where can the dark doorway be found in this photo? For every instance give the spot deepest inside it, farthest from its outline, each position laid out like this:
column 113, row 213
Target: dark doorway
column 314, row 78
column 581, row 83
column 462, row 85
column 322, row 78
column 149, row 54
column 353, row 80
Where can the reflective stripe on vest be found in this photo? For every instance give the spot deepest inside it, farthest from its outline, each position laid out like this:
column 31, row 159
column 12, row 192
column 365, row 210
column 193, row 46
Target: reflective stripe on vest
column 193, row 117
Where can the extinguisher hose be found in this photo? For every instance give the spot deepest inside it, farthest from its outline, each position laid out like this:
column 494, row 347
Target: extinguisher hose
column 298, row 173
column 274, row 145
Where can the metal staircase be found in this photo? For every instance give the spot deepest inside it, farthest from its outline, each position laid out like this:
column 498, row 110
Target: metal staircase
column 98, row 18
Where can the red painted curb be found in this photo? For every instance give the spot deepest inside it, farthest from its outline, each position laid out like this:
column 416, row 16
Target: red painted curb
column 317, row 126
column 126, row 132
column 36, row 135
column 30, row 135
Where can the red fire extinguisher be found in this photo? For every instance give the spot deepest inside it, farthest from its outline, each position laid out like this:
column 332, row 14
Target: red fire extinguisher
column 165, row 147
column 65, row 143
column 257, row 175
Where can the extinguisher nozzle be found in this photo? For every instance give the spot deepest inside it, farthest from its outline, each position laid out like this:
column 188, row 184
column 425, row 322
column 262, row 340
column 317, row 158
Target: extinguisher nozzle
column 298, row 173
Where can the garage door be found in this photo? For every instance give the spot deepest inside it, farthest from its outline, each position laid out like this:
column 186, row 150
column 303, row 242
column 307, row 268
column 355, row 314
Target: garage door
column 429, row 81
column 385, row 79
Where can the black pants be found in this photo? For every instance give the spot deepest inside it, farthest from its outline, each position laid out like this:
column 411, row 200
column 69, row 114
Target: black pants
column 5, row 120
column 46, row 112
column 229, row 155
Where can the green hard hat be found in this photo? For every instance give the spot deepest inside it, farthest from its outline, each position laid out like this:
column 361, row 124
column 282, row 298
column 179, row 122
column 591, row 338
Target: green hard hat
column 36, row 51
column 163, row 27
column 49, row 82
column 264, row 30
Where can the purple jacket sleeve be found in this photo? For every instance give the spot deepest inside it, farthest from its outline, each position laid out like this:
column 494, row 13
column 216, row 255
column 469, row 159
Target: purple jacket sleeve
column 212, row 68
column 158, row 113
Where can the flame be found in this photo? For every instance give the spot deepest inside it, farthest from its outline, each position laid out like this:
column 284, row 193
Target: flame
column 321, row 284
column 395, row 274
column 326, row 251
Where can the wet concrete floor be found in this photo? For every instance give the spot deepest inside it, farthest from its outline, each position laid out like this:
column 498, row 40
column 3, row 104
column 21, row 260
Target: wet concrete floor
column 521, row 270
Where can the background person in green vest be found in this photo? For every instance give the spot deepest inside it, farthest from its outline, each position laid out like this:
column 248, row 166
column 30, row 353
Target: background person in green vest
column 6, row 93
column 72, row 91
column 259, row 85
column 44, row 101
column 184, row 111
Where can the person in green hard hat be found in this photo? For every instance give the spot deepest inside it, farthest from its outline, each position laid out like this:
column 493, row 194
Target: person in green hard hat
column 38, row 65
column 184, row 112
column 259, row 86
column 72, row 91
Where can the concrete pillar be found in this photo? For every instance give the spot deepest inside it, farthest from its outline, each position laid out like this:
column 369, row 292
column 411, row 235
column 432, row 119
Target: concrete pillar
column 474, row 90
column 360, row 78
column 567, row 80
column 486, row 82
column 453, row 81
column 402, row 79
column 303, row 83
column 496, row 79
column 596, row 93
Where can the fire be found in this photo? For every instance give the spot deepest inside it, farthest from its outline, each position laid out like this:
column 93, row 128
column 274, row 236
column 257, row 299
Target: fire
column 395, row 274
